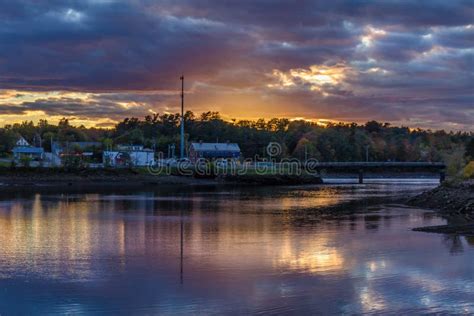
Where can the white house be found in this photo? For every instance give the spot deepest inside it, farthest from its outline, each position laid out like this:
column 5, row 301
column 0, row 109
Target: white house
column 23, row 149
column 21, row 142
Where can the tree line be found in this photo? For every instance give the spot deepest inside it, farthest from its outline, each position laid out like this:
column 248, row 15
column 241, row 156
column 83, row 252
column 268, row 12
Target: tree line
column 298, row 138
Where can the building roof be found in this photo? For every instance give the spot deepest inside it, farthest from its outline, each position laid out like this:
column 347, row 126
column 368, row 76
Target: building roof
column 27, row 150
column 233, row 147
column 22, row 142
column 80, row 144
column 132, row 148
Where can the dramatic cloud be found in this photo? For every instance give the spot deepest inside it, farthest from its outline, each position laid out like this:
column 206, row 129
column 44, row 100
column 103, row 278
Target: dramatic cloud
column 319, row 78
column 407, row 62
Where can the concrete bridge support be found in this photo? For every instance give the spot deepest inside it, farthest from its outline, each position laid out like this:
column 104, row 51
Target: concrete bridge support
column 442, row 176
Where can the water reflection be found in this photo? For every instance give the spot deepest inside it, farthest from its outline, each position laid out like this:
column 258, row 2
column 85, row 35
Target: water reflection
column 314, row 255
column 454, row 243
column 232, row 250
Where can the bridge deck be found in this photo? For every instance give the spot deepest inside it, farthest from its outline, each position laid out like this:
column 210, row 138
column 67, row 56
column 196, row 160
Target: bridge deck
column 375, row 164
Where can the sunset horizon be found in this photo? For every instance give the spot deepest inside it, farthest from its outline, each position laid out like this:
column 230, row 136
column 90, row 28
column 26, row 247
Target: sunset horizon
column 96, row 62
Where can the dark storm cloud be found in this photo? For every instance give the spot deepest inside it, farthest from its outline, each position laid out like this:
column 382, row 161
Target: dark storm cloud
column 409, row 13
column 288, row 13
column 399, row 47
column 420, row 51
column 106, row 46
column 77, row 108
column 457, row 37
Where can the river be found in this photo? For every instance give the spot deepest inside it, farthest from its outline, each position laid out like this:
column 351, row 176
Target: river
column 208, row 250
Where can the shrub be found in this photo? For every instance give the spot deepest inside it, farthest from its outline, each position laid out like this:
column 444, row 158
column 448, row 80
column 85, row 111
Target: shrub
column 25, row 161
column 468, row 171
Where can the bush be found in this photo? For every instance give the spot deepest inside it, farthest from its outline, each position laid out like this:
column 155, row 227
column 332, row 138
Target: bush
column 455, row 161
column 73, row 162
column 25, row 161
column 468, row 171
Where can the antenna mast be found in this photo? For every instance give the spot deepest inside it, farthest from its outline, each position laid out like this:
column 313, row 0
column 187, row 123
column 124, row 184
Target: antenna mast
column 182, row 117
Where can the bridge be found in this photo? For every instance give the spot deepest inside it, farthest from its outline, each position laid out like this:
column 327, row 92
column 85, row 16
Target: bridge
column 361, row 167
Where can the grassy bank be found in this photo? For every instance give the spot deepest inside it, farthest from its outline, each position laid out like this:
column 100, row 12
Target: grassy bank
column 143, row 176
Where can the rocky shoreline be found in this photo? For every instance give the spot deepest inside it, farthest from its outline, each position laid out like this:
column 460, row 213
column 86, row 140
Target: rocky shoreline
column 453, row 201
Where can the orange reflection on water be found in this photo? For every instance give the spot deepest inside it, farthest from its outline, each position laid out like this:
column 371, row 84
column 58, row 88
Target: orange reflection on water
column 69, row 232
column 313, row 255
column 48, row 236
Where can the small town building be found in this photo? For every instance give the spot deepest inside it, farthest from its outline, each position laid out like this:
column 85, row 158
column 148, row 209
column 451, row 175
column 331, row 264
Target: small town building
column 75, row 152
column 23, row 149
column 33, row 153
column 59, row 148
column 21, row 142
column 124, row 156
column 130, row 147
column 213, row 151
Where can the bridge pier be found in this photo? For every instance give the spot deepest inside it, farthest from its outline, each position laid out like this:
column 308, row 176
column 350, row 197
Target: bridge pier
column 361, row 176
column 381, row 166
column 442, row 176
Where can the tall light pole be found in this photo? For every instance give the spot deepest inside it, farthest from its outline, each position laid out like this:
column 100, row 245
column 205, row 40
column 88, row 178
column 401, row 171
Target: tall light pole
column 182, row 117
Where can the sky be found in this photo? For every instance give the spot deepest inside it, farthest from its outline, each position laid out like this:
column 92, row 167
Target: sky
column 96, row 62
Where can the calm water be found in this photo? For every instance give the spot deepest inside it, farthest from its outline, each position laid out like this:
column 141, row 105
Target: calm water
column 205, row 250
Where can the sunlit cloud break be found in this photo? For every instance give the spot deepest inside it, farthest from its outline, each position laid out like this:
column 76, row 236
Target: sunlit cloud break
column 317, row 77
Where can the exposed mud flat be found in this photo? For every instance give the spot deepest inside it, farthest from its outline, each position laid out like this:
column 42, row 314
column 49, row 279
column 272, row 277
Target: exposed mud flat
column 273, row 179
column 455, row 202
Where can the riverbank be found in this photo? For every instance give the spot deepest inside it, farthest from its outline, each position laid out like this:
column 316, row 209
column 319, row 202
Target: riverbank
column 272, row 179
column 453, row 201
column 20, row 178
column 12, row 178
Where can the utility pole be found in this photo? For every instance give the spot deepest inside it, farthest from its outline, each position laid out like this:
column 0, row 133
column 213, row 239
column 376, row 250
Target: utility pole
column 182, row 117
column 367, row 153
column 182, row 248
